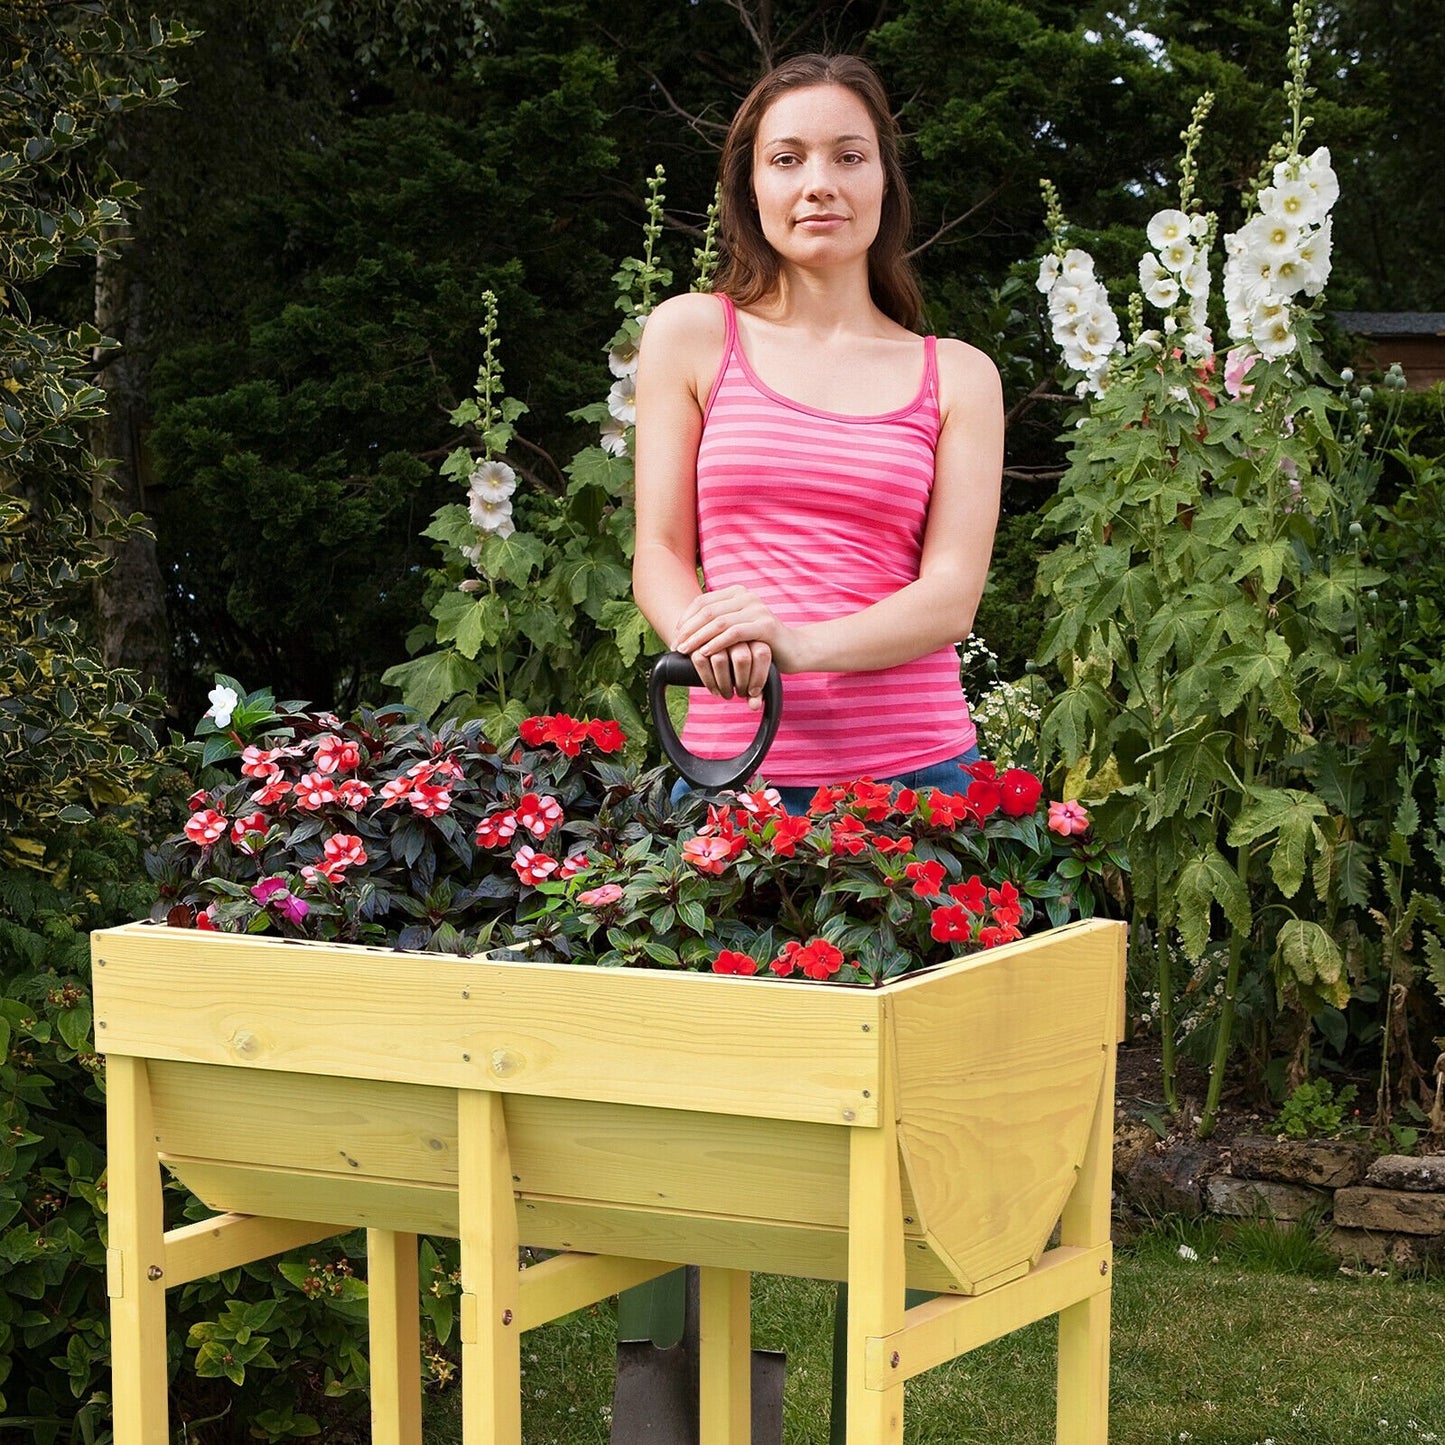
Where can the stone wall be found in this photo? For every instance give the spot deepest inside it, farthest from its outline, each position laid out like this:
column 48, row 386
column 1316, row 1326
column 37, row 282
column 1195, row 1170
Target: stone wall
column 1380, row 1211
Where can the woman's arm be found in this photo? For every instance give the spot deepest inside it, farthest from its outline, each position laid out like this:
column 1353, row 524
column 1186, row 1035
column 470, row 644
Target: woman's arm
column 681, row 351
column 935, row 611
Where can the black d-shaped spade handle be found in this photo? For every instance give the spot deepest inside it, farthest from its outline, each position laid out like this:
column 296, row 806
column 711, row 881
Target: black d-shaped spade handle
column 675, row 669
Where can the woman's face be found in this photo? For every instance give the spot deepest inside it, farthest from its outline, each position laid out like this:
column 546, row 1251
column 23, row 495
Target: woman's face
column 817, row 176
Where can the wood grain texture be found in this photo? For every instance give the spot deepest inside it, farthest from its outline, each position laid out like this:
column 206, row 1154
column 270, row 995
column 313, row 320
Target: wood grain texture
column 999, row 1064
column 692, row 1041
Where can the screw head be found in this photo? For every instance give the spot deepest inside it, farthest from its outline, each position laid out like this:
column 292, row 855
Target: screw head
column 154, row 1272
column 506, row 1317
column 1103, row 1266
column 894, row 1359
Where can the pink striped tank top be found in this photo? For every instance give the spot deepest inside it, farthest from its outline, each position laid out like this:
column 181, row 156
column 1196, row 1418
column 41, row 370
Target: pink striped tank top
column 822, row 515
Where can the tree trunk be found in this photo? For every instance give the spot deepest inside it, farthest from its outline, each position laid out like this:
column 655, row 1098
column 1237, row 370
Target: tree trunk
column 130, row 599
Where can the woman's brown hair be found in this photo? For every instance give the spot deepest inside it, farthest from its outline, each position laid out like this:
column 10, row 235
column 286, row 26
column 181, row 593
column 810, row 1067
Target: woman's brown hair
column 750, row 266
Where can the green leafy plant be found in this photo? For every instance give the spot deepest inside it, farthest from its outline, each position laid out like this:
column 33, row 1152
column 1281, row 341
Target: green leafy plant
column 1208, row 596
column 1314, row 1110
column 531, row 605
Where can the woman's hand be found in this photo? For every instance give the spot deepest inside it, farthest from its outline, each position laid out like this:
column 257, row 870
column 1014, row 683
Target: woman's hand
column 732, row 638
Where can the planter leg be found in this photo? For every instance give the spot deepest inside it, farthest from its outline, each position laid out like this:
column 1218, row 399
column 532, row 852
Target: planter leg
column 135, row 1258
column 875, row 1278
column 491, row 1290
column 1083, row 1379
column 724, row 1357
column 395, row 1346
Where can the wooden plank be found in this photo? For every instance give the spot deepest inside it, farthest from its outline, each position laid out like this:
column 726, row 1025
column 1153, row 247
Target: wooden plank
column 197, row 1251
column 612, row 1153
column 490, row 1329
column 713, row 1045
column 567, row 1282
column 940, row 1330
column 350, row 1202
column 1000, row 1063
column 1082, row 1405
column 725, row 1358
column 135, row 1260
column 876, row 1272
column 393, row 1313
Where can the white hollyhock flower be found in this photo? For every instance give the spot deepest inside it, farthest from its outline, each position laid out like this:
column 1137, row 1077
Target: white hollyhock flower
column 1048, row 273
column 1077, row 268
column 1160, row 288
column 1167, row 227
column 1177, row 255
column 1066, row 302
column 1270, row 330
column 493, row 517
column 614, row 437
column 1199, row 227
column 622, row 400
column 1320, row 174
column 622, row 359
column 492, row 481
column 1314, row 254
column 223, row 702
column 1195, row 277
column 1197, row 344
column 1293, row 200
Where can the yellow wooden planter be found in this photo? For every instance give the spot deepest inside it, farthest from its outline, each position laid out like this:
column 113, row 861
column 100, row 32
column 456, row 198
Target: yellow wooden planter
column 930, row 1133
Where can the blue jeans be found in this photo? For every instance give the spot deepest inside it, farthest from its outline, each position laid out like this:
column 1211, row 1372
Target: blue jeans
column 945, row 776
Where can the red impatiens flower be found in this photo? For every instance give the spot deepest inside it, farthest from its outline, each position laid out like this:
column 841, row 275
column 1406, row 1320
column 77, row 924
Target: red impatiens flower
column 972, row 894
column 429, row 799
column 874, row 799
column 927, row 878
column 531, row 866
column 353, row 792
column 951, row 923
column 984, row 798
column 606, row 736
column 572, row 865
column 334, row 754
column 983, row 768
column 894, row 845
column 206, row 919
column 943, row 810
column 603, row 896
column 728, row 961
column 1067, row 819
column 394, row 791
column 906, row 803
column 827, row 798
column 314, row 790
column 271, row 794
column 817, row 960
column 1021, row 792
column 538, row 815
column 339, row 852
column 849, row 835
column 206, row 827
column 1004, row 901
column 563, row 732
column 496, row 829
column 992, row 935
column 787, row 833
column 247, row 832
column 198, row 800
column 765, row 803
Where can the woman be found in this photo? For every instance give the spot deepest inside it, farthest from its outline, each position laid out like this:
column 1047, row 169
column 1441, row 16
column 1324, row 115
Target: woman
column 836, row 473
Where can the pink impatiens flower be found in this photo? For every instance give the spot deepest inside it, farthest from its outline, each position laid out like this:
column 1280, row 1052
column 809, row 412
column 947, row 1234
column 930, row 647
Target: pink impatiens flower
column 531, row 866
column 1068, row 818
column 538, row 815
column 206, row 827
column 496, row 829
column 247, row 832
column 314, row 790
column 603, row 896
column 336, row 755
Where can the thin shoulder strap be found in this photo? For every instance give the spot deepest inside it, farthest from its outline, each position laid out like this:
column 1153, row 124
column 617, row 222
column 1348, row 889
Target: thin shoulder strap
column 930, row 366
column 730, row 346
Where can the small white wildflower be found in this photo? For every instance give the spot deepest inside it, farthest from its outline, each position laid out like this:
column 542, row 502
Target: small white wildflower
column 622, row 359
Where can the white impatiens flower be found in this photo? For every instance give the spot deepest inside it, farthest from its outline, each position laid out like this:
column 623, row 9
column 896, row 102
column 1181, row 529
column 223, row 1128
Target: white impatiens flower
column 614, row 437
column 224, row 702
column 622, row 400
column 1167, row 227
column 491, row 481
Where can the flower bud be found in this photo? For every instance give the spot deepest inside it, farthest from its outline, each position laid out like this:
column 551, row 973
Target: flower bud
column 1367, row 393
column 1347, row 376
column 1356, row 530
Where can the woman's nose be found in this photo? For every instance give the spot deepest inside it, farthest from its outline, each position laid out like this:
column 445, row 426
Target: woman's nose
column 819, row 180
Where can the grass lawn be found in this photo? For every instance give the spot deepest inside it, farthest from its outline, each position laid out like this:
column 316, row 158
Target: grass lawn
column 1255, row 1341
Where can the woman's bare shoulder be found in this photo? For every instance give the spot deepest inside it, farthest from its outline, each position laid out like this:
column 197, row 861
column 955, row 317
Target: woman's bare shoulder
column 967, row 377
column 690, row 320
